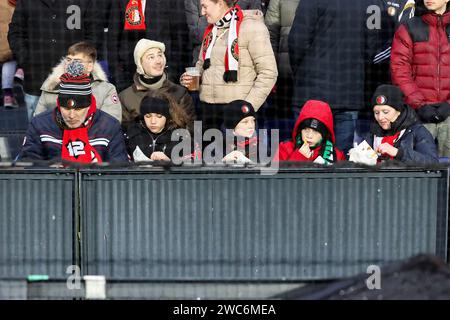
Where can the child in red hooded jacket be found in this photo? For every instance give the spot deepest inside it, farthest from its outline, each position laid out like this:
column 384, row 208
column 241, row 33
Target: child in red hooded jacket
column 313, row 137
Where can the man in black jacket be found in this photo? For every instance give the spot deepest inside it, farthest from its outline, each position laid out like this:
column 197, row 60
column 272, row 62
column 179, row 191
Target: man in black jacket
column 40, row 33
column 329, row 45
column 162, row 21
column 378, row 71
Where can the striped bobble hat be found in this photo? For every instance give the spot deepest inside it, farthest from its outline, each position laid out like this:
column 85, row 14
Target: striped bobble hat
column 75, row 87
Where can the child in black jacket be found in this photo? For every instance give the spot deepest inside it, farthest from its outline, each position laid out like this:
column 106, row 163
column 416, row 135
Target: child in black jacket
column 153, row 135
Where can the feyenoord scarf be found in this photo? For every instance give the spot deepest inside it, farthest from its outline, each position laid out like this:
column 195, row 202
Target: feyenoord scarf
column 75, row 145
column 232, row 19
column 134, row 16
column 325, row 147
column 249, row 147
column 328, row 152
column 390, row 140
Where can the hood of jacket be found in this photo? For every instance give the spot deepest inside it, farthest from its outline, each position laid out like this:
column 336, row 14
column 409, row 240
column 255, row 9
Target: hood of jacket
column 52, row 81
column 315, row 109
column 253, row 14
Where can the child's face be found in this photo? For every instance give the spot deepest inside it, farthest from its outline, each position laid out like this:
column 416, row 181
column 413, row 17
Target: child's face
column 245, row 127
column 311, row 136
column 438, row 6
column 155, row 122
column 84, row 59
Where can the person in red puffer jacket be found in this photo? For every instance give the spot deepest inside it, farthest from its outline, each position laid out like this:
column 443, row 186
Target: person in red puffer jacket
column 313, row 137
column 420, row 66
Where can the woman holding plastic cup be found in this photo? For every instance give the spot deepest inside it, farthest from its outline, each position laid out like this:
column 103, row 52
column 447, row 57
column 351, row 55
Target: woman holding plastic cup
column 236, row 61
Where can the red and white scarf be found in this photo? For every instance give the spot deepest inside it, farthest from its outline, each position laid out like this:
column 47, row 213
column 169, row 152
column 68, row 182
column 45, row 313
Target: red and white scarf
column 75, row 144
column 134, row 16
column 389, row 140
column 232, row 19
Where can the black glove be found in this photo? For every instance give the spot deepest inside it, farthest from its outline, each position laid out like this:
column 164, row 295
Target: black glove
column 429, row 114
column 443, row 110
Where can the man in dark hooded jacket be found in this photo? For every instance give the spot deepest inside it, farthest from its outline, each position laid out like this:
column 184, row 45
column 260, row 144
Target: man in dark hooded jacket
column 330, row 43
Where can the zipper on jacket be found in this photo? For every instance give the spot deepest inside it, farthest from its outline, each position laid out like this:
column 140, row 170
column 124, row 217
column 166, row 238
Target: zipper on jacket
column 153, row 141
column 439, row 55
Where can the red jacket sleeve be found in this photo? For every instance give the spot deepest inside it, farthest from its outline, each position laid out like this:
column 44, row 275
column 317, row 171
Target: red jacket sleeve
column 401, row 67
column 340, row 155
column 283, row 151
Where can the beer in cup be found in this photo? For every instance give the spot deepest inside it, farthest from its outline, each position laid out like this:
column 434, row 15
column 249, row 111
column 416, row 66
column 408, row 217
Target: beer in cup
column 194, row 85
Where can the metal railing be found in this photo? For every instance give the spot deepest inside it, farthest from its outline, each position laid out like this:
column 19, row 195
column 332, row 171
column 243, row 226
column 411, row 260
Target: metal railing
column 218, row 224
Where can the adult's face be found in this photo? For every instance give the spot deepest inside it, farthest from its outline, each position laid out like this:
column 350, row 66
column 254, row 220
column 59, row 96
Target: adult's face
column 438, row 6
column 74, row 117
column 213, row 11
column 385, row 115
column 153, row 62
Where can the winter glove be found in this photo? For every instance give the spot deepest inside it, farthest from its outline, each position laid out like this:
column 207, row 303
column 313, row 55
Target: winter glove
column 443, row 110
column 429, row 114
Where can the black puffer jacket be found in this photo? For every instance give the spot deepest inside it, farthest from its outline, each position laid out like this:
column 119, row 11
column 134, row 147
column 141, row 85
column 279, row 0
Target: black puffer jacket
column 329, row 45
column 41, row 31
column 139, row 136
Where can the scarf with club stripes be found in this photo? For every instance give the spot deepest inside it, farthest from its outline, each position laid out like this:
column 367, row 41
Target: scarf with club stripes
column 134, row 16
column 75, row 144
column 232, row 20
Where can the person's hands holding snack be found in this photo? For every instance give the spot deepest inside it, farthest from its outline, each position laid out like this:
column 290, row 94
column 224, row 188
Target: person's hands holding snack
column 387, row 149
column 159, row 156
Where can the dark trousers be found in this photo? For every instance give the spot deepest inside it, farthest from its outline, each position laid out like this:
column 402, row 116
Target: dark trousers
column 211, row 115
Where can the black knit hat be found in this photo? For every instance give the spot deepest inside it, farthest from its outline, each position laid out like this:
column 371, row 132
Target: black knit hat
column 155, row 105
column 389, row 95
column 75, row 87
column 314, row 124
column 235, row 111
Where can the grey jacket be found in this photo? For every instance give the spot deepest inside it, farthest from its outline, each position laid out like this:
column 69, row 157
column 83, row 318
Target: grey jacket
column 197, row 23
column 104, row 92
column 279, row 17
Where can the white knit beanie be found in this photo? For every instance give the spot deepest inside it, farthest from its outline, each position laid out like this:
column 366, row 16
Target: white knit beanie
column 141, row 48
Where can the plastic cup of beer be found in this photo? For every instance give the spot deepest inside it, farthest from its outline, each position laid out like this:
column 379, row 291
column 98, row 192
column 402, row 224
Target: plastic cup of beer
column 194, row 85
